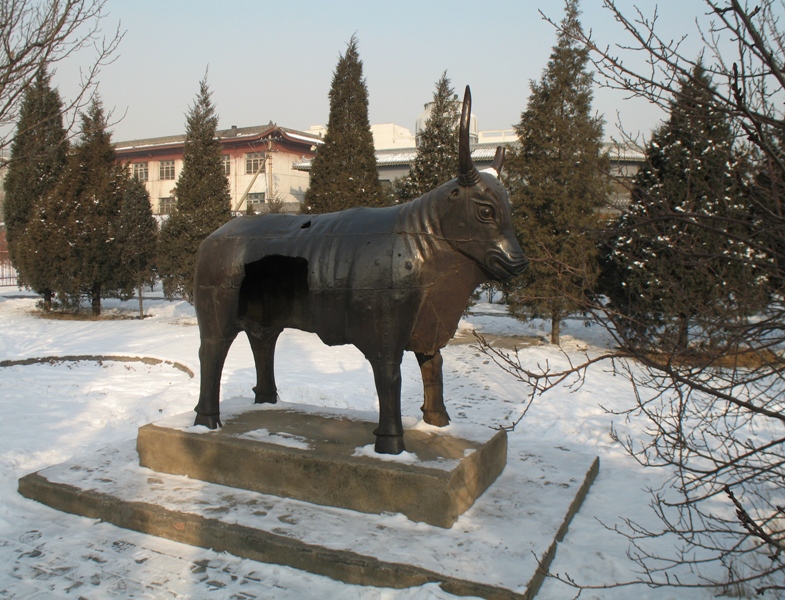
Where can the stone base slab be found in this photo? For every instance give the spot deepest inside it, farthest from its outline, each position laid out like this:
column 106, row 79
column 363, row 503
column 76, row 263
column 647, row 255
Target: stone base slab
column 324, row 457
column 492, row 551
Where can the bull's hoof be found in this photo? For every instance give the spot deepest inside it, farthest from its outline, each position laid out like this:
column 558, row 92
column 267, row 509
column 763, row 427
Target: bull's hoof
column 389, row 444
column 265, row 398
column 209, row 421
column 435, row 417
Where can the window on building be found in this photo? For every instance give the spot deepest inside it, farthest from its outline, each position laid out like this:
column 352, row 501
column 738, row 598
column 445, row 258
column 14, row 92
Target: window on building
column 227, row 165
column 166, row 169
column 140, row 171
column 253, row 162
column 255, row 201
column 166, row 205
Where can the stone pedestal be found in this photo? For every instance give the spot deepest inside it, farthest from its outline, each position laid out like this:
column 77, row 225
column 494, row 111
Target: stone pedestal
column 326, row 458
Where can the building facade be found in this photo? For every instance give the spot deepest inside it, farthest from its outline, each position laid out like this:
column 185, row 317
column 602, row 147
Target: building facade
column 268, row 167
column 257, row 161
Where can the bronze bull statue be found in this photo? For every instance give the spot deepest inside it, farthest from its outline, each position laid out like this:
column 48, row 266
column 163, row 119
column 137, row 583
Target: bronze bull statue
column 383, row 279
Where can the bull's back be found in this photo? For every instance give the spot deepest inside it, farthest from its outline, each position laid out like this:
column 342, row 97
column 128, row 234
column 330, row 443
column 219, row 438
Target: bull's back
column 339, row 247
column 348, row 222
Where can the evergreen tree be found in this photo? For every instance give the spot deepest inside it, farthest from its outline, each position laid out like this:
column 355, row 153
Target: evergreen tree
column 38, row 155
column 81, row 215
column 47, row 252
column 344, row 172
column 203, row 199
column 558, row 179
column 676, row 255
column 436, row 161
column 766, row 207
column 138, row 238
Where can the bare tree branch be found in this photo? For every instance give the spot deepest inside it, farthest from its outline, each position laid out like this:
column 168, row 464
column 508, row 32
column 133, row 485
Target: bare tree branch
column 714, row 409
column 42, row 34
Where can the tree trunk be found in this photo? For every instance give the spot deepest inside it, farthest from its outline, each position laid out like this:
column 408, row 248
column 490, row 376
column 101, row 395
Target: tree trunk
column 141, row 308
column 95, row 297
column 47, row 301
column 683, row 340
column 555, row 328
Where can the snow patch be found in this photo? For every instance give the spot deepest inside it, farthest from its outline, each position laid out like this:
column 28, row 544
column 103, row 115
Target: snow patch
column 279, row 438
column 369, row 451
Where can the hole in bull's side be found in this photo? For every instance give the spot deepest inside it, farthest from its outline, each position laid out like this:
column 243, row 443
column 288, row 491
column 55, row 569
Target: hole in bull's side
column 271, row 288
column 305, row 225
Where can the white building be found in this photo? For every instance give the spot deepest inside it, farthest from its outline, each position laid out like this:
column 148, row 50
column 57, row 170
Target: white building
column 258, row 161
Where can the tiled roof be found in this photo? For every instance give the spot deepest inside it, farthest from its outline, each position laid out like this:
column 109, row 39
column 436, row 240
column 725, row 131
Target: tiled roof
column 221, row 134
column 171, row 140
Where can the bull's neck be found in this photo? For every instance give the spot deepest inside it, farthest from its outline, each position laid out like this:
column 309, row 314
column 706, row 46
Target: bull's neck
column 419, row 221
column 421, row 216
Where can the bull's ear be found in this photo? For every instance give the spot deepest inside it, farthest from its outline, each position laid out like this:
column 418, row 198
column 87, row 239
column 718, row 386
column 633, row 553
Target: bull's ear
column 498, row 161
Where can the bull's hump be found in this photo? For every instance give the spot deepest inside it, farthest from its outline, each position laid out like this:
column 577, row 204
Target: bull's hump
column 354, row 221
column 263, row 225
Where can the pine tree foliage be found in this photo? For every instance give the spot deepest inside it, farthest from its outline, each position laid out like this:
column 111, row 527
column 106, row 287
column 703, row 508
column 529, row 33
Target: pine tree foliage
column 344, row 172
column 558, row 178
column 38, row 155
column 47, row 252
column 80, row 217
column 202, row 178
column 436, row 161
column 138, row 238
column 203, row 199
column 672, row 274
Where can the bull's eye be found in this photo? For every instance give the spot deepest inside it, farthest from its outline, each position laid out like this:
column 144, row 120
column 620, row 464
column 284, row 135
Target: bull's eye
column 485, row 212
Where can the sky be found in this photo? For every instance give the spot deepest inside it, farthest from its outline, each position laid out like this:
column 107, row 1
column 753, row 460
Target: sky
column 274, row 61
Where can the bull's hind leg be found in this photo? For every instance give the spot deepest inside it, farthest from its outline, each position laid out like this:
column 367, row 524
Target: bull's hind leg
column 212, row 355
column 263, row 348
column 433, row 409
column 389, row 433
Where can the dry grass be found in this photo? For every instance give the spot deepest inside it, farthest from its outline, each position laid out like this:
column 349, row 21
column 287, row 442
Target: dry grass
column 741, row 359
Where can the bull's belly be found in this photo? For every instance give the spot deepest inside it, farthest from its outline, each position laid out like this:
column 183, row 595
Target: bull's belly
column 378, row 323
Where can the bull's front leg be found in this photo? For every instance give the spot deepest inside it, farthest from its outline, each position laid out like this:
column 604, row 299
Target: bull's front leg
column 433, row 409
column 389, row 433
column 212, row 355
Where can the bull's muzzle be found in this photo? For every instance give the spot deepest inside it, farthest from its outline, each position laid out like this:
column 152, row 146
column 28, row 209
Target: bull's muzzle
column 503, row 265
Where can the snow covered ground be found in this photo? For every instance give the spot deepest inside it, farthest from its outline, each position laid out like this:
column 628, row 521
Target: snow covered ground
column 55, row 410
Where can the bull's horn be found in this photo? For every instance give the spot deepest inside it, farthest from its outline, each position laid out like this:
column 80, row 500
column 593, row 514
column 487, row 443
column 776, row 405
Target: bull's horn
column 468, row 174
column 498, row 161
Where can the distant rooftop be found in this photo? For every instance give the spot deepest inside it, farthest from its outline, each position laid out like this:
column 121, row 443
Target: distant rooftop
column 480, row 153
column 221, row 134
column 405, row 156
column 386, row 155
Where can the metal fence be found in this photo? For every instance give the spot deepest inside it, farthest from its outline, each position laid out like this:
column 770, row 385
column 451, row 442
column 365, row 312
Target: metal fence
column 7, row 271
